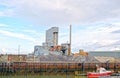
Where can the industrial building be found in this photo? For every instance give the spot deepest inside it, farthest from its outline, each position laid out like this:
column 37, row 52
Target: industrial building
column 115, row 54
column 51, row 44
column 51, row 41
column 40, row 50
column 65, row 47
column 53, row 58
column 13, row 58
column 52, row 36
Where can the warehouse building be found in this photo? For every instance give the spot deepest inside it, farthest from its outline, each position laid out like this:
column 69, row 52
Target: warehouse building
column 115, row 54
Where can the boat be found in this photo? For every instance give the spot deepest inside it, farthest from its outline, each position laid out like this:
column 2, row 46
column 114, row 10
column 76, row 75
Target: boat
column 101, row 72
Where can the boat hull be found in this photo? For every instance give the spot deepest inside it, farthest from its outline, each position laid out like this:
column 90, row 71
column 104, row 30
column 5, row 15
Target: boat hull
column 97, row 75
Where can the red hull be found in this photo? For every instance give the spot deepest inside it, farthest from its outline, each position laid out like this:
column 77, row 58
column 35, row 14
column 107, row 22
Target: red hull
column 97, row 75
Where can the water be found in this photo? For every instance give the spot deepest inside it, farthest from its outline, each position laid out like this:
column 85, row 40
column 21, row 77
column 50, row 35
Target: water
column 68, row 76
column 49, row 76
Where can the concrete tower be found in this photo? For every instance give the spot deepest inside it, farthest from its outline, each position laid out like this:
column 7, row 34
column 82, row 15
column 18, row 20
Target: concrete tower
column 52, row 36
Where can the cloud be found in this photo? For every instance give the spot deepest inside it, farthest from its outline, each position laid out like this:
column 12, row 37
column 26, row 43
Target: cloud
column 117, row 31
column 7, row 13
column 3, row 25
column 33, row 32
column 17, row 35
column 96, row 38
column 2, row 14
column 116, row 28
column 65, row 11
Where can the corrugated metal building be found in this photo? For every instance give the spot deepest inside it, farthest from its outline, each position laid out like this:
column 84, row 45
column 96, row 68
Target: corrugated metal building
column 105, row 53
column 40, row 50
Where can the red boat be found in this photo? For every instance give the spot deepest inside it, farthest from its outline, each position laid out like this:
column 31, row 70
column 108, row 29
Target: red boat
column 101, row 73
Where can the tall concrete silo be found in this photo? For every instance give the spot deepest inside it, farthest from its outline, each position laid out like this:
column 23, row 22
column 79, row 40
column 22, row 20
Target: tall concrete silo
column 52, row 36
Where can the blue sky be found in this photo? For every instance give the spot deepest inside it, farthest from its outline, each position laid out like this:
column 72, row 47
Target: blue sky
column 95, row 24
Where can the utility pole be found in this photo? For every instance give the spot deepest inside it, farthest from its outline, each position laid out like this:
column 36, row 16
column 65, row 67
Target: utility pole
column 18, row 52
column 18, row 49
column 69, row 49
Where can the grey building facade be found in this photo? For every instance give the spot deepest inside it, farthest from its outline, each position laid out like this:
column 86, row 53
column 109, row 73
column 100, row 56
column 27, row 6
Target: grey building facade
column 52, row 36
column 51, row 40
column 115, row 54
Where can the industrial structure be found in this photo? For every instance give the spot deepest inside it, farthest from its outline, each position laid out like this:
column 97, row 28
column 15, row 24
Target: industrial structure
column 13, row 58
column 54, row 58
column 52, row 37
column 115, row 54
column 51, row 44
column 52, row 67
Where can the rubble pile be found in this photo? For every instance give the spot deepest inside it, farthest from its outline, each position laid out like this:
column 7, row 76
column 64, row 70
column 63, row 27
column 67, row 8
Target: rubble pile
column 65, row 58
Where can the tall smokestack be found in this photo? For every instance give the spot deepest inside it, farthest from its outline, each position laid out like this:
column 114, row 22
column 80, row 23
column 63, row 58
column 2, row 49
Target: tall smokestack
column 69, row 50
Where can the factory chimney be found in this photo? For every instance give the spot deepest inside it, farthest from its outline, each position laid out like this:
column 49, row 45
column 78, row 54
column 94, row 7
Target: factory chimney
column 69, row 49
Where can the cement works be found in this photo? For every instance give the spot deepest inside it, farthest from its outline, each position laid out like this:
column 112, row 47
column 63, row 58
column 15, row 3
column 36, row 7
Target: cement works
column 53, row 58
column 52, row 64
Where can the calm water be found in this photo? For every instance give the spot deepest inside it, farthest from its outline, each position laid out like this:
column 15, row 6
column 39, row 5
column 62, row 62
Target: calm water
column 67, row 76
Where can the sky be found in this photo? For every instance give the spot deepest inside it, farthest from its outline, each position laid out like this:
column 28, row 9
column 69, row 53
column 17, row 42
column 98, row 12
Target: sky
column 95, row 24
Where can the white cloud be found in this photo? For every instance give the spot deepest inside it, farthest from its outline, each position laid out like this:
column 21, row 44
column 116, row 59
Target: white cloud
column 110, row 28
column 2, row 14
column 3, row 25
column 7, row 13
column 17, row 35
column 15, row 51
column 33, row 32
column 65, row 11
column 95, row 38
